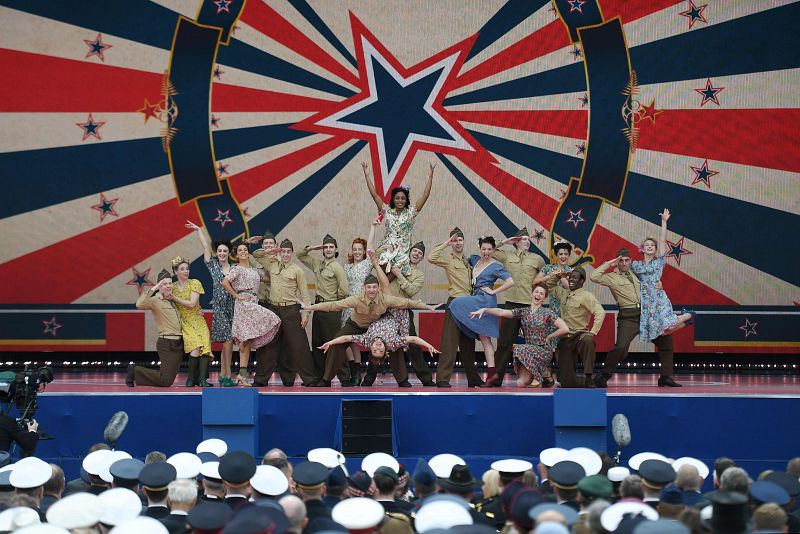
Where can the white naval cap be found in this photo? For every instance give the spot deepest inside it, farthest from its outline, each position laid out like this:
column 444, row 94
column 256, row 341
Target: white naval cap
column 119, row 505
column 358, row 513
column 553, row 455
column 511, row 466
column 441, row 514
column 618, row 473
column 93, row 463
column 637, row 459
column 702, row 468
column 612, row 516
column 442, row 464
column 18, row 517
column 379, row 459
column 42, row 528
column 210, row 470
column 30, row 472
column 78, row 510
column 140, row 525
column 269, row 480
column 587, row 458
column 106, row 462
column 330, row 458
column 186, row 464
column 215, row 446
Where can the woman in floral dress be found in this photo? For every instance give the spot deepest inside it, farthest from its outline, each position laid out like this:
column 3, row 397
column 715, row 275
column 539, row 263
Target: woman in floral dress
column 253, row 325
column 196, row 337
column 399, row 216
column 562, row 251
column 657, row 318
column 540, row 327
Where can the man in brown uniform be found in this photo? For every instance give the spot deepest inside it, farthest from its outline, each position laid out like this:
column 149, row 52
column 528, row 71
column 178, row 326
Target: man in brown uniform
column 523, row 266
column 368, row 307
column 626, row 290
column 459, row 284
column 408, row 286
column 331, row 286
column 286, row 280
column 170, row 341
column 577, row 307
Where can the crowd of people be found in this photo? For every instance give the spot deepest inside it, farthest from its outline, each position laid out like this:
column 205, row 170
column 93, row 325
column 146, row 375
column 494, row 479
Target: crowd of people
column 260, row 302
column 213, row 490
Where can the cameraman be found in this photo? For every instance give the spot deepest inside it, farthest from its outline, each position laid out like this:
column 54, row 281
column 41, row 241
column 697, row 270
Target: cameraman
column 26, row 436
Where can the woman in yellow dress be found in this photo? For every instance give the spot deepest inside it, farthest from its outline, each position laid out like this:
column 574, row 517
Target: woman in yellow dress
column 196, row 337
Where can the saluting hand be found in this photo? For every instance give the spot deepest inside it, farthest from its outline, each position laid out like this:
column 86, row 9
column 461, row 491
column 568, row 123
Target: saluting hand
column 256, row 239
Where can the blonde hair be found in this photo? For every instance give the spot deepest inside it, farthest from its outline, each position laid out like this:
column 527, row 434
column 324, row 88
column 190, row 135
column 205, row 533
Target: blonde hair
column 176, row 262
column 649, row 238
column 491, row 482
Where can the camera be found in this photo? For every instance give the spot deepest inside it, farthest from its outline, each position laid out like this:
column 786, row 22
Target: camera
column 22, row 388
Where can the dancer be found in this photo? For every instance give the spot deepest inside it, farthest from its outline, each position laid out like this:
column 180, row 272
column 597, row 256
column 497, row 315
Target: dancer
column 196, row 337
column 158, row 299
column 658, row 317
column 486, row 271
column 541, row 328
column 562, row 251
column 523, row 266
column 253, row 326
column 399, row 216
column 221, row 303
column 626, row 290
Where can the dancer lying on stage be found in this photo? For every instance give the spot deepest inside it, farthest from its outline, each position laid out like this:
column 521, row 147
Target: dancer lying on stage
column 196, row 337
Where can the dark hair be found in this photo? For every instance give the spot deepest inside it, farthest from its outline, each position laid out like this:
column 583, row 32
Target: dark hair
column 560, row 245
column 546, row 291
column 384, row 483
column 242, row 244
column 399, row 190
column 487, row 239
column 226, row 242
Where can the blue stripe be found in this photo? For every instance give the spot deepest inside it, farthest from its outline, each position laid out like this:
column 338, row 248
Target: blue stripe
column 61, row 174
column 713, row 220
column 245, row 57
column 230, row 143
column 26, row 325
column 506, row 19
column 314, row 19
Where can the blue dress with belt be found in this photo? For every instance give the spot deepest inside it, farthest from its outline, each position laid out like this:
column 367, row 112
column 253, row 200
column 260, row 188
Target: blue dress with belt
column 461, row 307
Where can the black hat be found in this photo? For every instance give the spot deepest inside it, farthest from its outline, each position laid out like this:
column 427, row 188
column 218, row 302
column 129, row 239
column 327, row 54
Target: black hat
column 157, row 476
column 361, row 481
column 423, row 474
column 126, row 470
column 562, row 244
column 566, row 474
column 624, row 252
column 456, row 231
column 237, row 467
column 323, row 524
column 310, row 474
column 765, row 491
column 671, row 494
column 269, row 235
column 329, row 240
column 521, row 505
column 163, row 274
column 509, row 493
column 729, row 513
column 251, row 519
column 209, row 515
column 337, row 478
column 460, row 480
column 786, row 481
column 370, row 279
column 419, row 245
column 656, row 473
column 522, row 232
column 287, row 244
column 206, row 457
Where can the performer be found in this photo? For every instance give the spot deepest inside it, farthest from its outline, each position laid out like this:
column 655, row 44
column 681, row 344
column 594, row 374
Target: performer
column 399, row 217
column 158, row 299
column 626, row 290
column 221, row 303
column 459, row 276
column 408, row 286
column 523, row 266
column 541, row 328
column 577, row 307
column 486, row 271
column 658, row 316
column 562, row 251
column 331, row 286
column 196, row 338
column 253, row 326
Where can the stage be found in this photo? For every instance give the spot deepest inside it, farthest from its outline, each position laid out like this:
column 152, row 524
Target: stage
column 746, row 417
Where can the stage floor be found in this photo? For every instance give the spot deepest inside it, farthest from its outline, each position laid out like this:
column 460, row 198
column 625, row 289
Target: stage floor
column 627, row 384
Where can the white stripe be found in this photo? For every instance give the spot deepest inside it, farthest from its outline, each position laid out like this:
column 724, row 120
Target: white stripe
column 246, row 119
column 559, row 102
column 243, row 78
column 32, row 131
column 250, row 160
column 187, row 8
column 554, row 143
column 40, row 35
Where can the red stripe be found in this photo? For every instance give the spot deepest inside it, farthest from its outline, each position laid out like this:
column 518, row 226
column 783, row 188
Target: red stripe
column 269, row 22
column 629, row 11
column 563, row 123
column 758, row 137
column 50, row 84
column 234, row 98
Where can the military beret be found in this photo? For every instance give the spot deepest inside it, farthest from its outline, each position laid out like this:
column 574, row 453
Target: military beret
column 209, row 515
column 566, row 474
column 765, row 491
column 596, row 486
column 163, row 274
column 126, row 470
column 656, row 473
column 671, row 494
column 269, row 235
column 157, row 476
column 624, row 252
column 310, row 474
column 420, row 246
column 387, row 471
column 237, row 467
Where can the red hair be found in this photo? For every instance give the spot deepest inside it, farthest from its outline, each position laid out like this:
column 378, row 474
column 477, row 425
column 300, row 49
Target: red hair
column 363, row 244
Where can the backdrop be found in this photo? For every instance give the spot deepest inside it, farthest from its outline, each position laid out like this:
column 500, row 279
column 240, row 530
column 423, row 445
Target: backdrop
column 580, row 119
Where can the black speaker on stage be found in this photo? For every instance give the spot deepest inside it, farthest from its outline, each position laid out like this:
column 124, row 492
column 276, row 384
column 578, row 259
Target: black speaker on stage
column 366, row 427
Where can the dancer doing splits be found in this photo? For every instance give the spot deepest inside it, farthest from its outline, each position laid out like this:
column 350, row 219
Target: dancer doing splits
column 196, row 337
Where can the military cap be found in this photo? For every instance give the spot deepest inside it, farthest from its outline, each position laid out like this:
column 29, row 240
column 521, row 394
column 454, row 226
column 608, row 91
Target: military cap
column 30, row 472
column 637, row 459
column 328, row 457
column 249, row 519
column 360, row 481
column 377, row 459
column 5, row 483
column 729, row 513
column 612, row 516
column 522, row 232
column 702, row 469
column 18, row 518
column 321, row 525
column 786, row 481
column 206, row 457
column 596, row 486
column 77, row 510
column 269, row 235
column 553, row 455
column 371, row 279
column 310, row 474
column 287, row 244
column 765, row 491
column 237, row 467
column 419, row 245
column 215, row 446
column 94, row 461
column 511, row 468
column 358, row 513
column 661, row 526
column 140, row 525
column 107, row 461
column 269, row 480
column 442, row 464
column 387, row 471
column 587, row 458
column 157, row 476
column 618, row 473
column 423, row 474
column 656, row 473
column 551, row 527
column 460, row 480
column 569, row 514
column 456, row 231
column 509, row 493
column 566, row 474
column 337, row 478
column 441, row 514
column 624, row 252
column 163, row 274
column 671, row 494
column 209, row 515
column 329, row 240
column 119, row 505
column 210, row 470
column 187, row 465
column 126, row 470
column 522, row 504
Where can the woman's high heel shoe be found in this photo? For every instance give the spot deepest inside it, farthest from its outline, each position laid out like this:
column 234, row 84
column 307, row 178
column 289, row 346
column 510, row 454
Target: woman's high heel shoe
column 226, row 382
column 241, row 380
column 690, row 312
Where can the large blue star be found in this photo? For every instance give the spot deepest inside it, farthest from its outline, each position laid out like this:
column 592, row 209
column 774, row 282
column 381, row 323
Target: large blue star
column 677, row 251
column 703, row 174
column 97, row 47
column 90, row 128
column 140, row 279
column 709, row 93
column 106, row 207
column 694, row 13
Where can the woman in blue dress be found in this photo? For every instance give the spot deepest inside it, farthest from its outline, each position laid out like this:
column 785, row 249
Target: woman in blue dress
column 485, row 272
column 658, row 318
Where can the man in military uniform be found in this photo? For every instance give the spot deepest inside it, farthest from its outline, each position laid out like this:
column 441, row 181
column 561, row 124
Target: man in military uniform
column 462, row 484
column 155, row 479
column 655, row 475
column 590, row 489
column 286, row 282
column 236, row 469
column 386, row 480
column 523, row 266
column 331, row 286
column 626, row 290
column 309, row 481
column 510, row 470
column 459, row 284
column 564, row 478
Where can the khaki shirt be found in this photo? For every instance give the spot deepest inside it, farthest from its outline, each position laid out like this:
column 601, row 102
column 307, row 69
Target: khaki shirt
column 626, row 290
column 365, row 311
column 522, row 266
column 165, row 313
column 285, row 280
column 331, row 279
column 459, row 273
column 576, row 309
column 408, row 286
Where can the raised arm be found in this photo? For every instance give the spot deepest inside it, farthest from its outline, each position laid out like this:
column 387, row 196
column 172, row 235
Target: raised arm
column 371, row 235
column 435, row 257
column 382, row 279
column 662, row 238
column 427, row 192
column 371, row 186
column 203, row 240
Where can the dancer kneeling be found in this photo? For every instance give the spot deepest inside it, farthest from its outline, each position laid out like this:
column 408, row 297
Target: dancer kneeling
column 541, row 328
